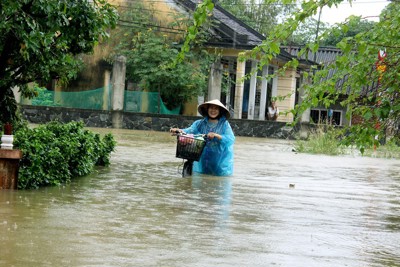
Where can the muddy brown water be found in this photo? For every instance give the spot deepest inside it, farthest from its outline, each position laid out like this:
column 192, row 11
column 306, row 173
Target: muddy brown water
column 280, row 208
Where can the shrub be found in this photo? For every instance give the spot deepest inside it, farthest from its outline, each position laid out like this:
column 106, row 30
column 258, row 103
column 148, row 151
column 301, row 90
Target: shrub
column 54, row 153
column 329, row 141
column 322, row 141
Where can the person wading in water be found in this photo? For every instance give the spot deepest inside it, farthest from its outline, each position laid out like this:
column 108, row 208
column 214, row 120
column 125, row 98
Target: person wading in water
column 217, row 156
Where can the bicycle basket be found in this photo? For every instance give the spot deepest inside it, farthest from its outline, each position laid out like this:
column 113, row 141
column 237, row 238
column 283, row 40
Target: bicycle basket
column 188, row 147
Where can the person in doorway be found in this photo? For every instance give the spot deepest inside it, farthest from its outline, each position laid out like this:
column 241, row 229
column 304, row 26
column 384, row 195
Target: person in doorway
column 273, row 111
column 217, row 156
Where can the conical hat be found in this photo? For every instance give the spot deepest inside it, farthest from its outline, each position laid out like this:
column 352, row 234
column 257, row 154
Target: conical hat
column 203, row 108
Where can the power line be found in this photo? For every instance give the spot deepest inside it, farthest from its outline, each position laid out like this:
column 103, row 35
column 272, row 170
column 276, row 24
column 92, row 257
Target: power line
column 146, row 26
column 147, row 9
column 165, row 29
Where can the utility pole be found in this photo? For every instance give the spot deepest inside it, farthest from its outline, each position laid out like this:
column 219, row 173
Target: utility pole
column 317, row 31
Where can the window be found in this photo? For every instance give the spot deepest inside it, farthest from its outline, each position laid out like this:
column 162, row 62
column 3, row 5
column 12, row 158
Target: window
column 320, row 116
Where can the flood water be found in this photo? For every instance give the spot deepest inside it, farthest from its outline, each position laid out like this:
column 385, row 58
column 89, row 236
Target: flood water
column 280, row 208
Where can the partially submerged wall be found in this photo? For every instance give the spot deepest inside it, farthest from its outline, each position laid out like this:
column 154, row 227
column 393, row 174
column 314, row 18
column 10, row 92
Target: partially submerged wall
column 151, row 122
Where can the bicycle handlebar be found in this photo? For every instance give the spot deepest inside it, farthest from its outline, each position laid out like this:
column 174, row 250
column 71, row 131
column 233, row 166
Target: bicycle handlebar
column 179, row 133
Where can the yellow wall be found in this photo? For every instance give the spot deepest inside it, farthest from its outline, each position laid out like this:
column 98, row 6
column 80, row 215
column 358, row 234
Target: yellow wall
column 190, row 108
column 286, row 87
column 93, row 75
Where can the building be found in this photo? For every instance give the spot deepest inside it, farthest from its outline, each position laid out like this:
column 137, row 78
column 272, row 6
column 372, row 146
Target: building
column 246, row 98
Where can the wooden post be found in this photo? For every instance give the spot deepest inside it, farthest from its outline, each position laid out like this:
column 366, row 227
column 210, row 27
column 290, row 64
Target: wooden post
column 9, row 165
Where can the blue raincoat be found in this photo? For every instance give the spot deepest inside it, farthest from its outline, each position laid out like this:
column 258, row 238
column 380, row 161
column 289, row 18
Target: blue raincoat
column 217, row 156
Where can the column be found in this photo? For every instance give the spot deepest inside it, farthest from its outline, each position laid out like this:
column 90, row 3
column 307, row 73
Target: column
column 215, row 80
column 274, row 91
column 9, row 168
column 240, row 72
column 305, row 116
column 263, row 97
column 57, row 97
column 252, row 92
column 106, row 92
column 118, row 89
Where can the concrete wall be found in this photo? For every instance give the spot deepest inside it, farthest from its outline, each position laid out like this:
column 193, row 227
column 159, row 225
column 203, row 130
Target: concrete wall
column 153, row 122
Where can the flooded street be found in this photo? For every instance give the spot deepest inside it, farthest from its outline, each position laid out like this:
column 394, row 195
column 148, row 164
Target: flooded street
column 280, row 208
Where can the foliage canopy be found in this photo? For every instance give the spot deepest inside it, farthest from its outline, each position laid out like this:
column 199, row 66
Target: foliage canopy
column 150, row 52
column 54, row 153
column 371, row 88
column 260, row 15
column 39, row 40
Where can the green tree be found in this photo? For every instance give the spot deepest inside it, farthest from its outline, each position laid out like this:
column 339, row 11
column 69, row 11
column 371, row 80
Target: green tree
column 308, row 32
column 260, row 15
column 372, row 95
column 40, row 40
column 355, row 26
column 151, row 48
column 147, row 65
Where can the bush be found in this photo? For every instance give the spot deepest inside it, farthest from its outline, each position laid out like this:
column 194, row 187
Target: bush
column 322, row 141
column 54, row 153
column 329, row 141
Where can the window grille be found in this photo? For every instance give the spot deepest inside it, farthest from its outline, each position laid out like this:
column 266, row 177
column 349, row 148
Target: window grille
column 320, row 116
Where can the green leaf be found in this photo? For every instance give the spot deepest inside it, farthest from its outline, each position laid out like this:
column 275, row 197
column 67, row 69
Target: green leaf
column 367, row 115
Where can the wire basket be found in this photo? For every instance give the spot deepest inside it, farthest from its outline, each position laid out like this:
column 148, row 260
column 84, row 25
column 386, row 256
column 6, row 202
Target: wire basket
column 190, row 148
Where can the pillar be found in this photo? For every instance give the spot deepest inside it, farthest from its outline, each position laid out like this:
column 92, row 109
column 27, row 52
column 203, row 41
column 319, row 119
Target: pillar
column 9, row 167
column 274, row 91
column 305, row 116
column 118, row 90
column 252, row 92
column 263, row 96
column 106, row 92
column 239, row 87
column 57, row 97
column 215, row 81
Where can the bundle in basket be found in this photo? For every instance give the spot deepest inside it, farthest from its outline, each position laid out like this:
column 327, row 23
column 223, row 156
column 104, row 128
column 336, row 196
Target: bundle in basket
column 189, row 147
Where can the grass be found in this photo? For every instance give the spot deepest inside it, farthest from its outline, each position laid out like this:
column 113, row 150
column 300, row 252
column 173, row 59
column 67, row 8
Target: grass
column 328, row 143
column 321, row 142
column 389, row 150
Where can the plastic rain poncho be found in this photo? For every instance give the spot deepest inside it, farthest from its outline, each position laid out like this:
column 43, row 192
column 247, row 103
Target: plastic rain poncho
column 217, row 156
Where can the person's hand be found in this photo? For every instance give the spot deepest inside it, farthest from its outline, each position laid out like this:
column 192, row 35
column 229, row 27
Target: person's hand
column 212, row 135
column 175, row 130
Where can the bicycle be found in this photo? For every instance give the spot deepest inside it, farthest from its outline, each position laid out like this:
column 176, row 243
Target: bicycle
column 189, row 148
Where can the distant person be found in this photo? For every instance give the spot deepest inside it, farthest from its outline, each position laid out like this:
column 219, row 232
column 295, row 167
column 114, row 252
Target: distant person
column 217, row 156
column 330, row 116
column 273, row 111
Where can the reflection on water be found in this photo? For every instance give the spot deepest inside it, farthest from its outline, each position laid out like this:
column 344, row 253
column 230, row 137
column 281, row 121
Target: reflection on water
column 340, row 211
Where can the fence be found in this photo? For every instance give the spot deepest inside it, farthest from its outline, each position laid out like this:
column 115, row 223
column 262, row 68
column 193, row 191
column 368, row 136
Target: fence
column 96, row 99
column 148, row 102
column 100, row 99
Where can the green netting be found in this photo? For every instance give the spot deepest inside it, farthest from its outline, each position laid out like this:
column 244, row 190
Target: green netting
column 90, row 99
column 100, row 99
column 148, row 102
